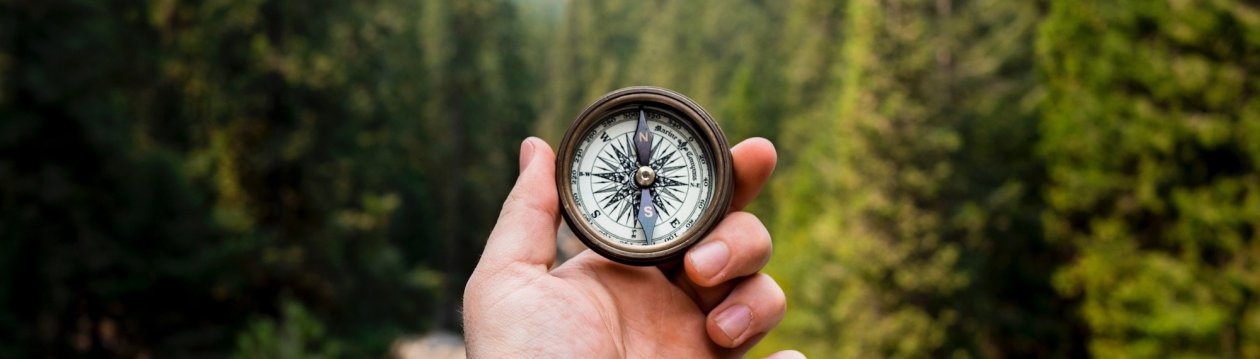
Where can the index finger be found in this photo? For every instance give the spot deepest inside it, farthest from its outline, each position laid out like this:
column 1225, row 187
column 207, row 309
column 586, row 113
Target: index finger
column 754, row 160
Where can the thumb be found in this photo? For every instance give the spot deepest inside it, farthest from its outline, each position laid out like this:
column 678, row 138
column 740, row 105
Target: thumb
column 526, row 231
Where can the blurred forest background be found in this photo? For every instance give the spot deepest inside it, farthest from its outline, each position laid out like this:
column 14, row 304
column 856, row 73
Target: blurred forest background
column 958, row 178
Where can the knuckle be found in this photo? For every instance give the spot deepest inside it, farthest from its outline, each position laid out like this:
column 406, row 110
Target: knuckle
column 739, row 225
column 489, row 280
column 520, row 203
column 753, row 232
column 749, row 223
column 473, row 289
column 744, row 219
column 777, row 298
column 515, row 200
column 765, row 246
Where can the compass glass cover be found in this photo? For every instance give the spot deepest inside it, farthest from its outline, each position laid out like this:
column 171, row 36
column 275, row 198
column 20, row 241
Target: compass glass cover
column 604, row 166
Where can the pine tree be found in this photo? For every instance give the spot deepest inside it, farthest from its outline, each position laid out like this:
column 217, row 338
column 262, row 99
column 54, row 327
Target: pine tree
column 910, row 213
column 1151, row 133
column 237, row 156
column 712, row 51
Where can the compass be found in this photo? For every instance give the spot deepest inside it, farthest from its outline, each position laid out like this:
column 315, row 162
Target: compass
column 643, row 173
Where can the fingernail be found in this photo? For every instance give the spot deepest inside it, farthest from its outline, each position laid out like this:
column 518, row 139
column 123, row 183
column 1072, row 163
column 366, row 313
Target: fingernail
column 734, row 321
column 708, row 259
column 527, row 153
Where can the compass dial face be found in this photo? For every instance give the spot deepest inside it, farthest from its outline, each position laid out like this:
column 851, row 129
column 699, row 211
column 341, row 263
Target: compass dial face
column 604, row 167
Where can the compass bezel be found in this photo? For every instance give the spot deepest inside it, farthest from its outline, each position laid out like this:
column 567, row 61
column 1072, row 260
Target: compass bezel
column 714, row 140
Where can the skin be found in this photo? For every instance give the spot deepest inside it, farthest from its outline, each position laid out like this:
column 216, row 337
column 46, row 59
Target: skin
column 516, row 305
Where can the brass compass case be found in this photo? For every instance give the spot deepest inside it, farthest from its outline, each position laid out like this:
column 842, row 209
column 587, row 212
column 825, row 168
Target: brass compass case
column 677, row 119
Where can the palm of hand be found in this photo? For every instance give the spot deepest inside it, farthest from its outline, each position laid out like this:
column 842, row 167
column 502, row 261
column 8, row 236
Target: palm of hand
column 713, row 304
column 644, row 316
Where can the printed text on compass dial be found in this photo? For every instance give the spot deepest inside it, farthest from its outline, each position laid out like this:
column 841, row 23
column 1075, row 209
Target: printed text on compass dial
column 606, row 193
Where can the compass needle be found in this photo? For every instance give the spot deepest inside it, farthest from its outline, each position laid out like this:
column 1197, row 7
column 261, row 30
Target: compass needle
column 644, row 177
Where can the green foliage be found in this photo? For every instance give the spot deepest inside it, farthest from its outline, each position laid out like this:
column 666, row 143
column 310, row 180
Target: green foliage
column 1150, row 137
column 168, row 169
column 605, row 45
column 963, row 178
column 918, row 208
column 915, row 190
column 297, row 334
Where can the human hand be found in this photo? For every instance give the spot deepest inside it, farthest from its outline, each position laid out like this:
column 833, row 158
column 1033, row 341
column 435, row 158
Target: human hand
column 716, row 305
